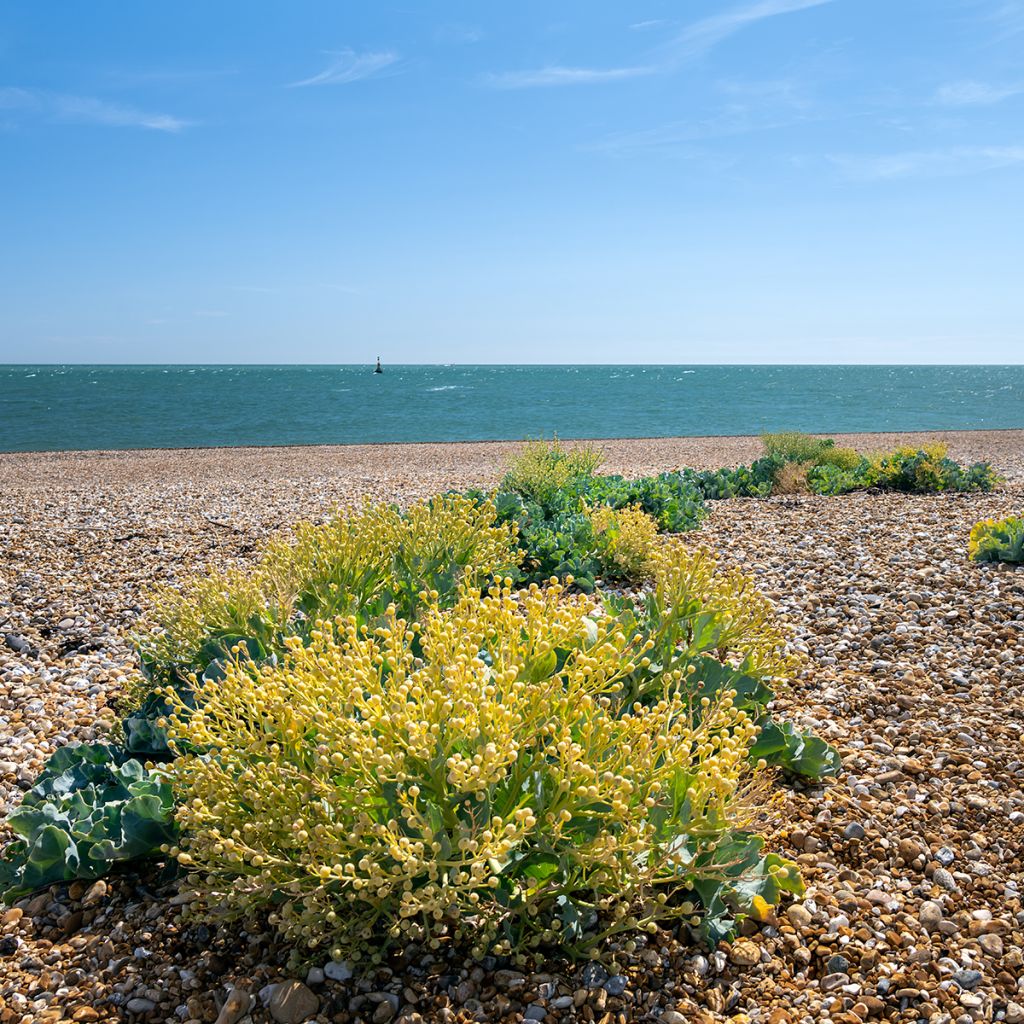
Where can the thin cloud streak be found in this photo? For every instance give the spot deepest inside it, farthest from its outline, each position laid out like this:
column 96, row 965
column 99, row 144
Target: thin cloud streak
column 348, row 66
column 682, row 133
column 941, row 163
column 87, row 110
column 701, row 36
column 1009, row 18
column 693, row 41
column 751, row 107
column 541, row 77
column 974, row 94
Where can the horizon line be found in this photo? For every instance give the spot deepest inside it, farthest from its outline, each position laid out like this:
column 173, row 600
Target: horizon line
column 553, row 365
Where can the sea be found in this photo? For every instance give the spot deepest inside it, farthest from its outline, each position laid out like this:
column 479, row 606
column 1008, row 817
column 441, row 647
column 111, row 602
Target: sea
column 81, row 407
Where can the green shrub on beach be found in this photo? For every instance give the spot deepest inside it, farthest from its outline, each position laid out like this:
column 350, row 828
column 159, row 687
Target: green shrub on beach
column 795, row 447
column 541, row 470
column 998, row 540
column 754, row 481
column 358, row 562
column 834, row 470
column 927, row 470
column 91, row 809
column 483, row 776
column 548, row 489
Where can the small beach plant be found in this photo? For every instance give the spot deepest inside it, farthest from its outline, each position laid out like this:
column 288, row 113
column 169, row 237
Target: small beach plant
column 92, row 808
column 998, row 540
column 927, row 470
column 792, row 478
column 358, row 562
column 830, row 469
column 796, row 447
column 626, row 540
column 542, row 470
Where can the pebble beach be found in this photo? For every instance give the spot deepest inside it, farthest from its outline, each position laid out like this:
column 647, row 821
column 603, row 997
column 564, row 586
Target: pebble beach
column 913, row 856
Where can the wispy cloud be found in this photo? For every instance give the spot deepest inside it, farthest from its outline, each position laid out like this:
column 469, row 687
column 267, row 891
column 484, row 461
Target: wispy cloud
column 701, row 36
column 87, row 110
column 938, row 163
column 1008, row 18
column 972, row 94
column 674, row 134
column 691, row 42
column 557, row 75
column 348, row 66
column 750, row 107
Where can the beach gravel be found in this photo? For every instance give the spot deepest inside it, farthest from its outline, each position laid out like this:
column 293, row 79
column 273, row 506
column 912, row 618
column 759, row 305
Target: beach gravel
column 915, row 671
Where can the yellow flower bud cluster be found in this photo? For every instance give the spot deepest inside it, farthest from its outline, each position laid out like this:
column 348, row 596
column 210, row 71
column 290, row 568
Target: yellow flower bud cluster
column 746, row 627
column 459, row 779
column 356, row 559
column 540, row 469
column 627, row 539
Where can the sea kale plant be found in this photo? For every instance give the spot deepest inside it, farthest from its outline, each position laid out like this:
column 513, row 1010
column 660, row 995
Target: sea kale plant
column 998, row 540
column 357, row 562
column 712, row 630
column 91, row 809
column 483, row 774
column 825, row 468
column 98, row 806
column 552, row 494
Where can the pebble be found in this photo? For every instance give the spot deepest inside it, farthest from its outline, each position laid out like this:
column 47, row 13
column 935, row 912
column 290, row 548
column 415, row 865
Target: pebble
column 616, row 984
column 237, row 1003
column 745, row 953
column 799, row 916
column 930, row 915
column 337, row 970
column 1014, row 1013
column 968, row 979
column 592, row 975
column 291, row 1002
column 831, row 982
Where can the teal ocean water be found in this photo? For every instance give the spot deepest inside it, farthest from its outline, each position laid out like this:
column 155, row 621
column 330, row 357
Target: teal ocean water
column 88, row 407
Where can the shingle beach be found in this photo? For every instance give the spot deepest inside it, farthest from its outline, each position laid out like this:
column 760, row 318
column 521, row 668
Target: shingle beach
column 913, row 857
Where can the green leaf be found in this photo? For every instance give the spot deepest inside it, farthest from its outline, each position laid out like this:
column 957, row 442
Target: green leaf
column 52, row 856
column 539, row 867
column 571, row 918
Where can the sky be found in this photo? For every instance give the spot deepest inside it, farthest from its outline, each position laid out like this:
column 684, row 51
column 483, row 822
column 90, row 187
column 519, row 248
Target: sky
column 768, row 181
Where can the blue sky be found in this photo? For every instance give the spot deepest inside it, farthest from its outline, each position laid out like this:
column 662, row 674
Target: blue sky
column 759, row 181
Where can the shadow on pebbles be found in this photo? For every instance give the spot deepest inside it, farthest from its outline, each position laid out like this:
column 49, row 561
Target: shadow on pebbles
column 912, row 857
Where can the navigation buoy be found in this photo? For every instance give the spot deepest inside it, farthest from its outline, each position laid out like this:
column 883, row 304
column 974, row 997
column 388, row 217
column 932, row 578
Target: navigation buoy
column 379, row 368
